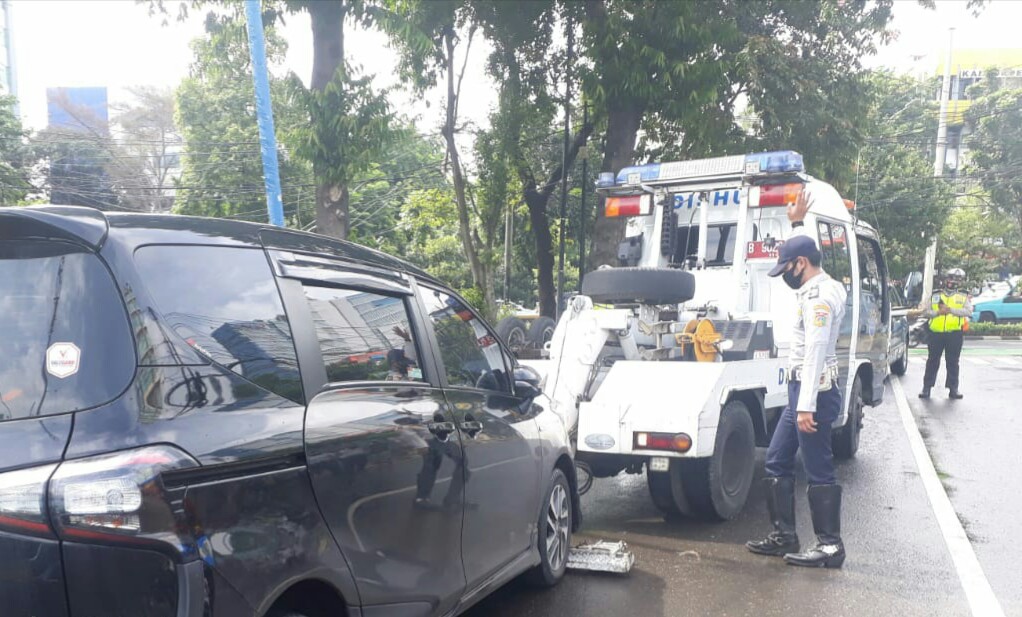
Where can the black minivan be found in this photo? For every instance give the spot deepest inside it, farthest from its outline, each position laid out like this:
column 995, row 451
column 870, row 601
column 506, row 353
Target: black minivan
column 208, row 417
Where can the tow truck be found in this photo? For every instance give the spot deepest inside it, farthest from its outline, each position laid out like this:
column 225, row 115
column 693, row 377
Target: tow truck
column 673, row 361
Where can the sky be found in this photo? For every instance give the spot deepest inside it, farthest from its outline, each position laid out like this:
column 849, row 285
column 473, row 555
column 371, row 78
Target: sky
column 115, row 43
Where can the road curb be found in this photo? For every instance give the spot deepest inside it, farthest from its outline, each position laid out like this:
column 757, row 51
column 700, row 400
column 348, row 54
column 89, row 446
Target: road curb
column 1003, row 337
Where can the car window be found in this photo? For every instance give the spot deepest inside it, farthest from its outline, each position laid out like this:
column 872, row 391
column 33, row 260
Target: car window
column 65, row 342
column 223, row 301
column 870, row 275
column 470, row 352
column 837, row 262
column 363, row 336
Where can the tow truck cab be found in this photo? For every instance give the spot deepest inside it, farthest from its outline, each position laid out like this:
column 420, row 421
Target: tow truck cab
column 690, row 291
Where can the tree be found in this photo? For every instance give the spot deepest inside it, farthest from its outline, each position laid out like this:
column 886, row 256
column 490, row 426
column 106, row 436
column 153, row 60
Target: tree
column 894, row 186
column 527, row 116
column 681, row 72
column 222, row 173
column 346, row 124
column 148, row 152
column 428, row 36
column 996, row 148
column 14, row 184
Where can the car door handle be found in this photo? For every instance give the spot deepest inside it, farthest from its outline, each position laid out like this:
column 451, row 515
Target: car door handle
column 472, row 427
column 442, row 430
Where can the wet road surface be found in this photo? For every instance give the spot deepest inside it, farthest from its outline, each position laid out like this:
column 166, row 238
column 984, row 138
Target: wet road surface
column 976, row 447
column 898, row 563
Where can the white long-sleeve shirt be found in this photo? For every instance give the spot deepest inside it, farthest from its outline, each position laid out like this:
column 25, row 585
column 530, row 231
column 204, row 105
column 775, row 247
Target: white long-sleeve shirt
column 821, row 309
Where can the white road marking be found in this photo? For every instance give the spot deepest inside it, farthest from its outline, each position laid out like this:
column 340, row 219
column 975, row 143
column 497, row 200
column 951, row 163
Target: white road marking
column 977, row 361
column 1013, row 361
column 978, row 592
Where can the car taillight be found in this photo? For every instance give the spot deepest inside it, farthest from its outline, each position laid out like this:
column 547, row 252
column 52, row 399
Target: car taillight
column 631, row 205
column 678, row 442
column 774, row 194
column 23, row 501
column 122, row 498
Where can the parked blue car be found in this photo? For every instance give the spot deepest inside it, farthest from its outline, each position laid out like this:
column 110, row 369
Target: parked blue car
column 1008, row 308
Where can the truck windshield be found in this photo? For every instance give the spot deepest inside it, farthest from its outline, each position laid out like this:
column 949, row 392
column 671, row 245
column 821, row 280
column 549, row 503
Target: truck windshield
column 720, row 244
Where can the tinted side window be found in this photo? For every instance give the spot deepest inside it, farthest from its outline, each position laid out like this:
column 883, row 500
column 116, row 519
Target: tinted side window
column 223, row 301
column 65, row 343
column 364, row 336
column 837, row 260
column 470, row 352
column 871, row 273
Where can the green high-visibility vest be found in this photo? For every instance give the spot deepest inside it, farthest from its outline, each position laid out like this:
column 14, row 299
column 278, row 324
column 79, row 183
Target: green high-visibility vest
column 949, row 322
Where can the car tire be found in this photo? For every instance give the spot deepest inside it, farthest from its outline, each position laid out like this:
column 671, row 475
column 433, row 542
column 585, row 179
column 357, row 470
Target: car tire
column 987, row 317
column 541, row 331
column 718, row 486
column 513, row 332
column 554, row 533
column 900, row 366
column 845, row 440
column 642, row 285
column 667, row 490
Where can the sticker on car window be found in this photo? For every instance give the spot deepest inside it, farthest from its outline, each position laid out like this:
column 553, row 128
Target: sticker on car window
column 63, row 359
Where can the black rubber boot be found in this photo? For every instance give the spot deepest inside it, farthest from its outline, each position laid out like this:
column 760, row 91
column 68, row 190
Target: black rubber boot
column 781, row 504
column 925, row 393
column 829, row 552
column 955, row 395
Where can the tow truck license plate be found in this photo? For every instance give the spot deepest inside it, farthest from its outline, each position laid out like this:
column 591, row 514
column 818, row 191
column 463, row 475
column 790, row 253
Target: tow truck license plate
column 659, row 463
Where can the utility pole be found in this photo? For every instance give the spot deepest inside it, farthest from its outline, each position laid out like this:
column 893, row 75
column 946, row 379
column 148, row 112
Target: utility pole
column 938, row 161
column 264, row 112
column 564, row 165
column 509, row 222
column 583, row 212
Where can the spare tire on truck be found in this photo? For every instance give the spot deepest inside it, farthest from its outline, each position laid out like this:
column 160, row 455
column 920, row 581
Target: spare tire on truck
column 513, row 332
column 639, row 285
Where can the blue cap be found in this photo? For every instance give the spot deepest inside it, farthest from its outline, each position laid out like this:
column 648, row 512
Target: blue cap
column 799, row 246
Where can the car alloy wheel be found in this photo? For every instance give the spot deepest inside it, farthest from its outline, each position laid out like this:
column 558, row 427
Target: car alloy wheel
column 558, row 523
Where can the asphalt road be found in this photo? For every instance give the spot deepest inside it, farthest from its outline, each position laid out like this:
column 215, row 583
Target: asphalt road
column 975, row 446
column 898, row 562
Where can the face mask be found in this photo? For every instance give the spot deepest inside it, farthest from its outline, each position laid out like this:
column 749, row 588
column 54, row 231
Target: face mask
column 791, row 279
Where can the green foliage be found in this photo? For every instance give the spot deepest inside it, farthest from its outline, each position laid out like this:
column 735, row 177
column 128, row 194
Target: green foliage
column 977, row 239
column 996, row 148
column 346, row 127
column 992, row 329
column 14, row 186
column 222, row 171
column 894, row 188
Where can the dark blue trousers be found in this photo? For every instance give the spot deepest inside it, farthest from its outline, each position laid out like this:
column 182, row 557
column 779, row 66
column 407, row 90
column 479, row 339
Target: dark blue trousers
column 816, row 454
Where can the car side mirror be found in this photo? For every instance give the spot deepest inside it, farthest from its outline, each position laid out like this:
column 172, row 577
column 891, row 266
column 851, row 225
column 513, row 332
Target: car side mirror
column 528, row 375
column 914, row 288
column 527, row 390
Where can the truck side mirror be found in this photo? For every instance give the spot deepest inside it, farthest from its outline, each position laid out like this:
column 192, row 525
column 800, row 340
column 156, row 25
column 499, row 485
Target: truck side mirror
column 914, row 288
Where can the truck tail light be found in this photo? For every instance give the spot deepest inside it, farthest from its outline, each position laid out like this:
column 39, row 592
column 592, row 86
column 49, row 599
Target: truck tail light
column 676, row 442
column 631, row 205
column 122, row 498
column 23, row 501
column 774, row 194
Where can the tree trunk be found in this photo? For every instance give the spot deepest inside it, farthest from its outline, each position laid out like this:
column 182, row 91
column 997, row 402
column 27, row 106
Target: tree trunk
column 332, row 198
column 623, row 119
column 537, row 203
column 332, row 210
column 480, row 275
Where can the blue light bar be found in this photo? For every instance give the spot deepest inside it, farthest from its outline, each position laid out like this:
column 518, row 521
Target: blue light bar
column 645, row 173
column 784, row 161
column 606, row 180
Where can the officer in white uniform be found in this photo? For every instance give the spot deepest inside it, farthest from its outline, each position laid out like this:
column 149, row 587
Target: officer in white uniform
column 814, row 403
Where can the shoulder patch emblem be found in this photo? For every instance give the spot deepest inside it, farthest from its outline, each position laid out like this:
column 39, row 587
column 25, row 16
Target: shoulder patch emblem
column 821, row 314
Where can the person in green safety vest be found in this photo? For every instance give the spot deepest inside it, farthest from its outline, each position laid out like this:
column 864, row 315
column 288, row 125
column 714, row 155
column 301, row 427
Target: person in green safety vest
column 949, row 311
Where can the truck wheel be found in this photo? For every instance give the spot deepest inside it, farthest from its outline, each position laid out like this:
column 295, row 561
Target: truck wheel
column 513, row 332
column 845, row 441
column 541, row 331
column 642, row 285
column 667, row 490
column 900, row 366
column 718, row 486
